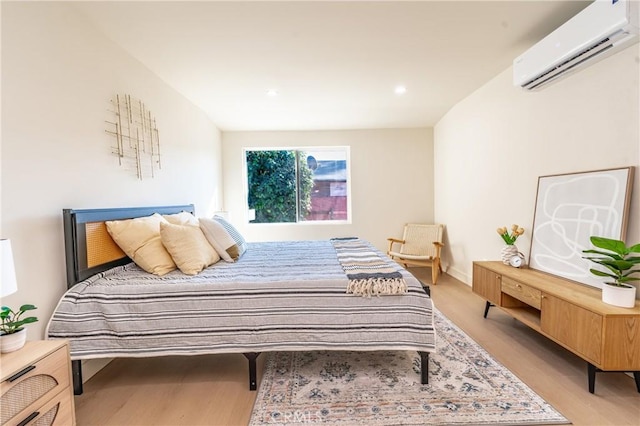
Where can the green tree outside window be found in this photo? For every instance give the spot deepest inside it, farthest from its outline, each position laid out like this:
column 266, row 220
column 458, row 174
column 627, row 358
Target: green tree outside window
column 288, row 186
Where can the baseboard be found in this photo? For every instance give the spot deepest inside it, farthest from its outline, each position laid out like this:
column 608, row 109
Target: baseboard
column 91, row 366
column 459, row 275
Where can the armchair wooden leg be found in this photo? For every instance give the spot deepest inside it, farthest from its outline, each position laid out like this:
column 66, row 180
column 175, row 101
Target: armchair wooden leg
column 435, row 271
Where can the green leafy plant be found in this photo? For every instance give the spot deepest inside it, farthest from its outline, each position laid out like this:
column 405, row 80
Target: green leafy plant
column 510, row 239
column 12, row 321
column 278, row 190
column 620, row 261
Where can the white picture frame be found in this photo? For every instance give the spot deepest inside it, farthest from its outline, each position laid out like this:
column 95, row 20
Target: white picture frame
column 572, row 207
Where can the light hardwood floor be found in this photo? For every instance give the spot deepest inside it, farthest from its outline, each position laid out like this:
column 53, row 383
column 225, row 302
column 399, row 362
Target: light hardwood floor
column 213, row 390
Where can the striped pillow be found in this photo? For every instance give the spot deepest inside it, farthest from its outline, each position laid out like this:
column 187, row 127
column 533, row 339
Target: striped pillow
column 237, row 237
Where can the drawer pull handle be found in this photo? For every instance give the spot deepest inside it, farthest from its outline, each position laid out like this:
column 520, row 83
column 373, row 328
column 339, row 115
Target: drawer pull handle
column 28, row 419
column 21, row 373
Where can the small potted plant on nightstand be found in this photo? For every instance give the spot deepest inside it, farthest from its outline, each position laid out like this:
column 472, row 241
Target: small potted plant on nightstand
column 621, row 263
column 13, row 335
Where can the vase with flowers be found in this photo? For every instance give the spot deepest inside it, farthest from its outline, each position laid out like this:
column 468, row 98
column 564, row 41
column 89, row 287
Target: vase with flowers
column 510, row 250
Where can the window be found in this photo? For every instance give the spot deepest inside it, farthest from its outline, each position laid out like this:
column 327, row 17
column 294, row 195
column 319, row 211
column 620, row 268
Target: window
column 295, row 185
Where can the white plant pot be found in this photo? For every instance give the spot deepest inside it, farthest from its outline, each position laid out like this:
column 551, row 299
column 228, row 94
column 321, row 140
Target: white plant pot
column 625, row 297
column 13, row 342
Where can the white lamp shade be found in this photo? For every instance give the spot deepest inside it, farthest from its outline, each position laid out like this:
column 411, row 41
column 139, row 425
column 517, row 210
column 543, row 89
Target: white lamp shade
column 8, row 284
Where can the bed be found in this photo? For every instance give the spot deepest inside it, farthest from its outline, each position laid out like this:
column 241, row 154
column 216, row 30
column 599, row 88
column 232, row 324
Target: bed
column 278, row 296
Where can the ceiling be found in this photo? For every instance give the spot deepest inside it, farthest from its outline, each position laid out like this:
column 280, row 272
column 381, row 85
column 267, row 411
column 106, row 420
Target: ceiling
column 334, row 65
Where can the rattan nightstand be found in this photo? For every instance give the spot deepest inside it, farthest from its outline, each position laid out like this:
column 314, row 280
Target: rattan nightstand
column 36, row 385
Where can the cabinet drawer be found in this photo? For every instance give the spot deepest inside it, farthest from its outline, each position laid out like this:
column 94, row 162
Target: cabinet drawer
column 522, row 292
column 57, row 412
column 28, row 389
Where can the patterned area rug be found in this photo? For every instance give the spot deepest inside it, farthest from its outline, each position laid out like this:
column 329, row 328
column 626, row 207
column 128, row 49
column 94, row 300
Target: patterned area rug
column 466, row 386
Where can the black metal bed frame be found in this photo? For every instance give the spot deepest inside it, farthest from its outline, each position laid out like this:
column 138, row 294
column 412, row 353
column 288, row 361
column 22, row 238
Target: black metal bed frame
column 75, row 247
column 77, row 269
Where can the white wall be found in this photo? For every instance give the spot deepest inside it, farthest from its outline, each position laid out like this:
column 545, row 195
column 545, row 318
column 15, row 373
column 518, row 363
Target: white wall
column 391, row 182
column 491, row 147
column 58, row 75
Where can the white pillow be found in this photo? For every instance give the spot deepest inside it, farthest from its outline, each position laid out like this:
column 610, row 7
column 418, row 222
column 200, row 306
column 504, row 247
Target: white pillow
column 219, row 239
column 139, row 238
column 188, row 247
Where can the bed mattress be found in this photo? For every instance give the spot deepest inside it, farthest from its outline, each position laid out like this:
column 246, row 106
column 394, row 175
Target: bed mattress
column 278, row 296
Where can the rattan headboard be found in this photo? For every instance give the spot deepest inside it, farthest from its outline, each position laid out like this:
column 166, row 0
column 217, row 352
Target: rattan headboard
column 89, row 248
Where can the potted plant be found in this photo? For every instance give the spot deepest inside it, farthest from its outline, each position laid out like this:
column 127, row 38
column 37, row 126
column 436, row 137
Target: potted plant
column 13, row 335
column 621, row 263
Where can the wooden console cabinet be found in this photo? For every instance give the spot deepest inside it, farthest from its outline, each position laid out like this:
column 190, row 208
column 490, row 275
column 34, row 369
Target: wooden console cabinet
column 570, row 314
column 36, row 385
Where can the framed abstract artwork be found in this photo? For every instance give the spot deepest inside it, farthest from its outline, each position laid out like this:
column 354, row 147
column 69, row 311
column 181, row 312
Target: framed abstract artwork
column 572, row 207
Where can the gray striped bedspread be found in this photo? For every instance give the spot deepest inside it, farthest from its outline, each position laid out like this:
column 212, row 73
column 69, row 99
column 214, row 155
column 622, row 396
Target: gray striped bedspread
column 279, row 296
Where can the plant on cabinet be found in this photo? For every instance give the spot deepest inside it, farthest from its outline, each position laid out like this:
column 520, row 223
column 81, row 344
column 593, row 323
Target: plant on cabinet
column 12, row 332
column 620, row 263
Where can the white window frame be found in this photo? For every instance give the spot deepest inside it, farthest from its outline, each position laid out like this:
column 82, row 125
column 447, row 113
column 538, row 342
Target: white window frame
column 249, row 214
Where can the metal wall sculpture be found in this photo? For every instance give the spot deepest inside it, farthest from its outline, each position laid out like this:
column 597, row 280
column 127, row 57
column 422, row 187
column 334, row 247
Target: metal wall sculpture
column 136, row 136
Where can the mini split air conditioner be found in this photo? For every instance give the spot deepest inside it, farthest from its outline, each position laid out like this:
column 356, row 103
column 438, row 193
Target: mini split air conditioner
column 599, row 30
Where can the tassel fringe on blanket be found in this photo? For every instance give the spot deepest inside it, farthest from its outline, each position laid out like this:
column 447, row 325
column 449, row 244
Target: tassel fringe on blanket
column 368, row 272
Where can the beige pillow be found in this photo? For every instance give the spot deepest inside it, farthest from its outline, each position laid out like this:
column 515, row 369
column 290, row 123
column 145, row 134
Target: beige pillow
column 182, row 218
column 219, row 239
column 188, row 247
column 139, row 238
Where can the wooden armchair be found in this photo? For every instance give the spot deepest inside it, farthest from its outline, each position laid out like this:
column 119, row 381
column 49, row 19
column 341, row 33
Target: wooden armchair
column 420, row 246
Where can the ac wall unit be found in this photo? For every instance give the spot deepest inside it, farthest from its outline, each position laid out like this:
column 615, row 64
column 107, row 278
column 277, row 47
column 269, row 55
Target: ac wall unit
column 599, row 30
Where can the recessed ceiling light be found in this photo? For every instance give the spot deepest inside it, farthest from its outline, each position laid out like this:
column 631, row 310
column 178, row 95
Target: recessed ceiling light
column 400, row 90
column 272, row 92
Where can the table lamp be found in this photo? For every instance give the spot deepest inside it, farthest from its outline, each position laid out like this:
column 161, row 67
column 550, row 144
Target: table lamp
column 8, row 285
